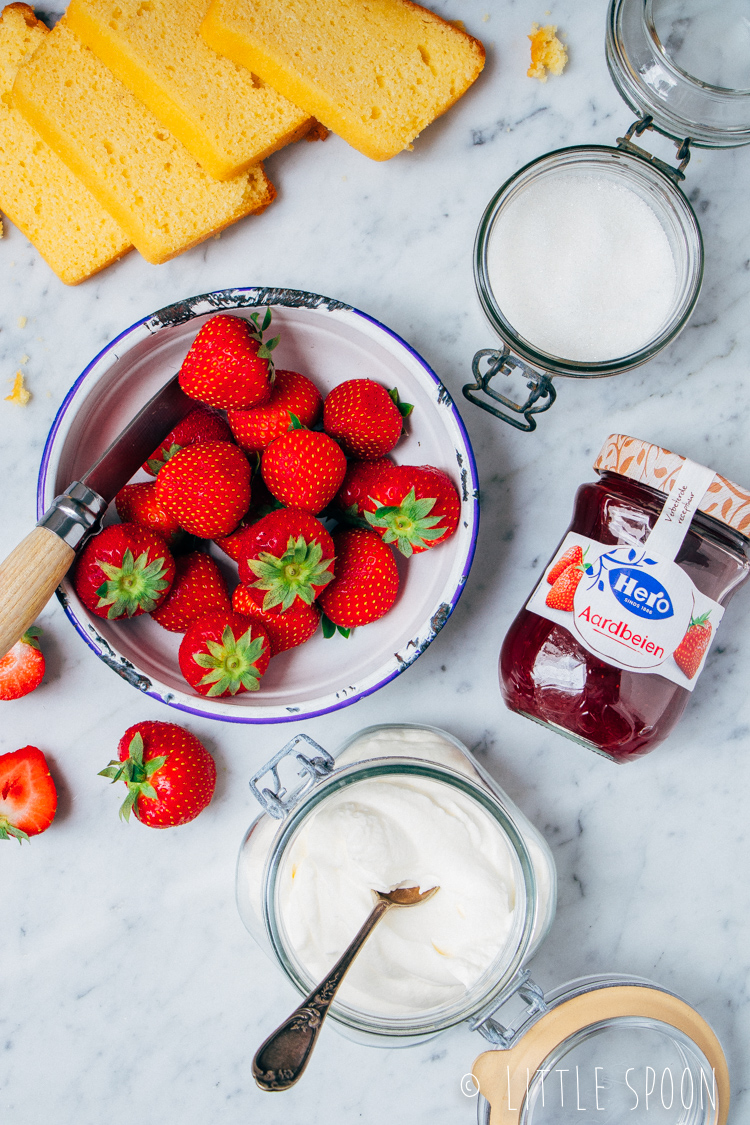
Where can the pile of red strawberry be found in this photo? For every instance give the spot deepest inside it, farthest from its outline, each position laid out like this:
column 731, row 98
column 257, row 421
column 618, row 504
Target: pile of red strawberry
column 259, row 482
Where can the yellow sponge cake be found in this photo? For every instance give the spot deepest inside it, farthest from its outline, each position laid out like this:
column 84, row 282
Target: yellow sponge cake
column 223, row 115
column 129, row 161
column 72, row 232
column 374, row 71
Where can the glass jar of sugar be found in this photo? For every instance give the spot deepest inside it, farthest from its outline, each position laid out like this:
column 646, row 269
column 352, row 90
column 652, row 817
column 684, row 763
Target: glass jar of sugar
column 589, row 260
column 410, row 803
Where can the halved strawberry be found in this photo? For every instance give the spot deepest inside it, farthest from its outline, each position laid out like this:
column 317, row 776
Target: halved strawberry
column 292, row 395
column 22, row 667
column 170, row 775
column 124, row 571
column 28, row 798
column 286, row 559
column 419, row 508
column 224, row 654
column 364, row 418
column 198, row 589
column 138, row 503
column 207, row 487
column 284, row 630
column 366, row 582
column 228, row 364
column 304, row 469
column 201, row 424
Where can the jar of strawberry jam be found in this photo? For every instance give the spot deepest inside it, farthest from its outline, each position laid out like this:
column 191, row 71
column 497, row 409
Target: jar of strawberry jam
column 611, row 642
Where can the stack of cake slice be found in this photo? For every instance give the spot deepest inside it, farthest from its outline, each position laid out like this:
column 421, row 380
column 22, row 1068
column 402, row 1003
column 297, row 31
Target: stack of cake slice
column 157, row 110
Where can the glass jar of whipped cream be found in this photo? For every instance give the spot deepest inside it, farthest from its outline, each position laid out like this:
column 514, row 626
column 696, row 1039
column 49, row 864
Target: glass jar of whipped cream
column 589, row 260
column 402, row 805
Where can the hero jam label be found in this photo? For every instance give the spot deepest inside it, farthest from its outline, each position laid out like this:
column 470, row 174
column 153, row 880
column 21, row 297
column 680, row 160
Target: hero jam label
column 631, row 604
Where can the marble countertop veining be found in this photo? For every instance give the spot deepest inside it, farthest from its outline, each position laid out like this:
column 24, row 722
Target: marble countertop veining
column 129, row 989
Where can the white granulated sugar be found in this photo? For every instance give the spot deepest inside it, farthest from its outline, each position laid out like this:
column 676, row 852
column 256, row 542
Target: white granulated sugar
column 582, row 268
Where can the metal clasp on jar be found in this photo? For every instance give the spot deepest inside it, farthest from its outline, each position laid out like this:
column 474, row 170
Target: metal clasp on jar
column 501, row 361
column 279, row 801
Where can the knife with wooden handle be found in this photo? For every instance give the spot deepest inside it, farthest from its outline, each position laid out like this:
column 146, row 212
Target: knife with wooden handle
column 32, row 572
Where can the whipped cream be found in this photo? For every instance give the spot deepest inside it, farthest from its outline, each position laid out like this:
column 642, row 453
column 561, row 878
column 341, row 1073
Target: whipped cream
column 399, row 832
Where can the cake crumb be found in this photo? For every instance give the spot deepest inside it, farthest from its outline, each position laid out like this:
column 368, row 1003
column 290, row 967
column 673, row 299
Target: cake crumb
column 25, row 359
column 22, row 321
column 485, row 17
column 20, row 394
column 458, row 24
column 547, row 52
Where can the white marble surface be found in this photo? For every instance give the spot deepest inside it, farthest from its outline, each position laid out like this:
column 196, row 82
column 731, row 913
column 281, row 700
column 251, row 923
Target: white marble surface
column 129, row 989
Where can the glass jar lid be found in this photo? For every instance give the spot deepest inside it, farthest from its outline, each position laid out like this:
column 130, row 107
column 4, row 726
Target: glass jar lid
column 622, row 1047
column 686, row 64
column 658, row 467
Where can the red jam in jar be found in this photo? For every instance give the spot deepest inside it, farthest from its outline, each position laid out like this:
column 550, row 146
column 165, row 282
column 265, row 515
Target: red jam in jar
column 610, row 643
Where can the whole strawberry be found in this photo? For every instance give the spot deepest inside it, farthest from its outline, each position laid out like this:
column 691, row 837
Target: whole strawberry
column 224, row 654
column 364, row 418
column 170, row 775
column 286, row 559
column 562, row 591
column 284, row 630
column 572, row 556
column 366, row 582
column 362, row 480
column 207, row 488
column 137, row 503
column 292, row 396
column 693, row 646
column 124, row 571
column 198, row 589
column 28, row 798
column 418, row 507
column 22, row 667
column 228, row 364
column 201, row 424
column 304, row 469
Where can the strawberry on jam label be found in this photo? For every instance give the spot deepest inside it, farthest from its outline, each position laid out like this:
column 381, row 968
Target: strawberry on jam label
column 630, row 606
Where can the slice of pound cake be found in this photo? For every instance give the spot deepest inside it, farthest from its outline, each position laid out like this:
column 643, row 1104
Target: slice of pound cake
column 129, row 161
column 72, row 232
column 374, row 71
column 223, row 115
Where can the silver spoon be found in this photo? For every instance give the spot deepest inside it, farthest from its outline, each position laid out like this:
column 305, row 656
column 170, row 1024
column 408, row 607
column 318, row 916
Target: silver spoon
column 281, row 1060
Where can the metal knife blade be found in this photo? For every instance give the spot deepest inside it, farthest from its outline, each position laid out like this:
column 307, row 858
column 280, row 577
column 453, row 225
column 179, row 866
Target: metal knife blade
column 138, row 440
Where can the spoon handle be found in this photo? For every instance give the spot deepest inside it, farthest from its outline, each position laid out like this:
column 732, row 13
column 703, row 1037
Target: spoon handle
column 281, row 1060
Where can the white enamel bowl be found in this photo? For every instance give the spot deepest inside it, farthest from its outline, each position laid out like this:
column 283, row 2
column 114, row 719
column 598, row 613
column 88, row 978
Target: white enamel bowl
column 329, row 342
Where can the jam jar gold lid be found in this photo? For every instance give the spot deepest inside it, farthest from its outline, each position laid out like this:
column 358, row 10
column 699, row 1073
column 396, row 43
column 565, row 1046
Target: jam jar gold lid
column 658, row 467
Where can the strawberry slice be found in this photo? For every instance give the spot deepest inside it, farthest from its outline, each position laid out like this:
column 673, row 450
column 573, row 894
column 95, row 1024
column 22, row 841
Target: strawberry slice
column 22, row 668
column 28, row 798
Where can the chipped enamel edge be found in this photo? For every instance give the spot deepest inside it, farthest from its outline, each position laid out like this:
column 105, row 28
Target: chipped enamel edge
column 250, row 297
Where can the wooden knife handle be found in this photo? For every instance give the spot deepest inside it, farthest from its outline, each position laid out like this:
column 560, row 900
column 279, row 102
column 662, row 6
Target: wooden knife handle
column 28, row 579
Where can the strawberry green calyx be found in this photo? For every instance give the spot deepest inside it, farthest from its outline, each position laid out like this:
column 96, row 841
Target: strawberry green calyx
column 135, row 773
column 266, row 346
column 7, row 831
column 136, row 585
column 404, row 408
column 156, row 463
column 231, row 664
column 299, row 573
column 330, row 630
column 31, row 636
column 700, row 622
column 408, row 524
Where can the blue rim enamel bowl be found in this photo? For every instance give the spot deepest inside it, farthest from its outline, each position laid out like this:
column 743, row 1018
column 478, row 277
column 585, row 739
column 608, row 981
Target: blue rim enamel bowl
column 328, row 341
